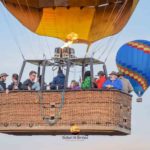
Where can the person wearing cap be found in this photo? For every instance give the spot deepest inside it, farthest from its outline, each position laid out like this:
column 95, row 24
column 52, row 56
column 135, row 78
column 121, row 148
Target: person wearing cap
column 3, row 78
column 15, row 85
column 127, row 87
column 101, row 80
column 28, row 84
column 58, row 81
column 113, row 82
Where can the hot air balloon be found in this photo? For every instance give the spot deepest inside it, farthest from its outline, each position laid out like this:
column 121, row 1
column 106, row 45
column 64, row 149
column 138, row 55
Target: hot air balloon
column 92, row 111
column 133, row 60
column 87, row 20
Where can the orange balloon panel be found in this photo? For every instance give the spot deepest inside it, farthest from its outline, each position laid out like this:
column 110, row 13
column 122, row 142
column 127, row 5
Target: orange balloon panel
column 90, row 22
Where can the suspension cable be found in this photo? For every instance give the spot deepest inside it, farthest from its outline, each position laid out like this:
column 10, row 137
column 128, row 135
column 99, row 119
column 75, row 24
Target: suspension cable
column 116, row 38
column 33, row 23
column 111, row 48
column 30, row 39
column 103, row 15
column 114, row 21
column 109, row 25
column 11, row 32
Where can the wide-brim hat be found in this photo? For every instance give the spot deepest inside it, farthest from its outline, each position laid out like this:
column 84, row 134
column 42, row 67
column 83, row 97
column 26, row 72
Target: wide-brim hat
column 113, row 73
column 3, row 75
column 120, row 73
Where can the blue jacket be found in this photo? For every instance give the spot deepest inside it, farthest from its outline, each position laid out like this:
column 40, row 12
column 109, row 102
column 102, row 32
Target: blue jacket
column 117, row 84
column 59, row 81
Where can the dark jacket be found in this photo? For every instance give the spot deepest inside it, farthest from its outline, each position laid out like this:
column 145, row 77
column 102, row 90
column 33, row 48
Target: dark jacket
column 11, row 86
column 3, row 85
column 27, row 83
column 59, row 81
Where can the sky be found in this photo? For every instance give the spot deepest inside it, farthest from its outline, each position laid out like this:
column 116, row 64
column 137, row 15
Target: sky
column 13, row 36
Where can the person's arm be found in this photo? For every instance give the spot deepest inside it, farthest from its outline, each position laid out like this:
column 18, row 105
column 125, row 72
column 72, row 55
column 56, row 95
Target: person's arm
column 105, row 84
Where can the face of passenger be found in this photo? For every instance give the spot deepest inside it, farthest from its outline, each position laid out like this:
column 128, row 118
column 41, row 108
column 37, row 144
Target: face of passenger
column 14, row 80
column 120, row 76
column 4, row 78
column 32, row 77
column 72, row 84
column 113, row 77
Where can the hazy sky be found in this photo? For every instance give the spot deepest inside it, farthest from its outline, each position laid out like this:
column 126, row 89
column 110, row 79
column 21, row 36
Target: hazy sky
column 14, row 36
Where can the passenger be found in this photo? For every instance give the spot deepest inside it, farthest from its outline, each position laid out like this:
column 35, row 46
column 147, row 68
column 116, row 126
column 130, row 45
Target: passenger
column 14, row 85
column 127, row 87
column 37, row 85
column 27, row 84
column 86, row 83
column 74, row 85
column 3, row 78
column 101, row 80
column 113, row 82
column 58, row 81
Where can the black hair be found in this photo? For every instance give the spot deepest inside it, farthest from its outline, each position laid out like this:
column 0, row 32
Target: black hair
column 87, row 74
column 15, row 76
column 101, row 73
column 32, row 72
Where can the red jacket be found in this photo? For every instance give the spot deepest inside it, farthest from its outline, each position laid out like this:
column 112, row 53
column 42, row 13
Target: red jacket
column 100, row 82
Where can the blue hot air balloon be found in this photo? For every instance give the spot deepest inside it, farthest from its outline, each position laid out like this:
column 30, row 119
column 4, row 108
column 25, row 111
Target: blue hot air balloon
column 133, row 59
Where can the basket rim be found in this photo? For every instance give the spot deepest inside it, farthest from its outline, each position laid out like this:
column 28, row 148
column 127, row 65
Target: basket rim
column 68, row 91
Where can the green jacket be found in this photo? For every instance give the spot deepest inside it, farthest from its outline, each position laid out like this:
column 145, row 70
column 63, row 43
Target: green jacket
column 86, row 84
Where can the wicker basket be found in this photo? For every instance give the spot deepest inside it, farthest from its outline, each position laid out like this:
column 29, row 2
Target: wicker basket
column 94, row 112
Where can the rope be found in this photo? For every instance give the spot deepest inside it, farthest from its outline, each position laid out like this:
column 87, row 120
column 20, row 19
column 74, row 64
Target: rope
column 11, row 32
column 109, row 52
column 97, row 47
column 33, row 23
column 114, row 21
column 111, row 49
column 30, row 39
column 109, row 25
column 104, row 50
column 88, row 48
